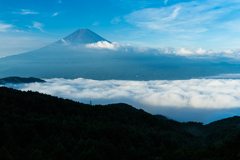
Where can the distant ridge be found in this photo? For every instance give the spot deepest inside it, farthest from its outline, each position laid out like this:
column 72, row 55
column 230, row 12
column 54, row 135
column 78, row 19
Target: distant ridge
column 20, row 80
column 82, row 36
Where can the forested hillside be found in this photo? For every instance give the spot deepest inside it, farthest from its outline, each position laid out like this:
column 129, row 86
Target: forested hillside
column 38, row 126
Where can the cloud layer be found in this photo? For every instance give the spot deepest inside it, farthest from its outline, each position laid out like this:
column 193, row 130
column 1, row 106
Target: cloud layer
column 183, row 100
column 200, row 52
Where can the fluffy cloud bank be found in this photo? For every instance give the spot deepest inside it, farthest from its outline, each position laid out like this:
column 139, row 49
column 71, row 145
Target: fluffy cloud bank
column 184, row 100
column 104, row 45
column 200, row 52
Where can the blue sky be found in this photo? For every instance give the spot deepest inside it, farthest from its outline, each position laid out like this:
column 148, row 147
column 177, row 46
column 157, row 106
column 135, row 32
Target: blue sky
column 210, row 24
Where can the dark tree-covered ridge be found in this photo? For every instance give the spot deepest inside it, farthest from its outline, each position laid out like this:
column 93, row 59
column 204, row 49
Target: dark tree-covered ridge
column 39, row 126
column 20, row 80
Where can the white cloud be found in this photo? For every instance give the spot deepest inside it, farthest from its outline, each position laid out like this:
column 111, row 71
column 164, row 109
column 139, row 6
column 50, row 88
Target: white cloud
column 184, row 52
column 103, row 45
column 201, row 51
column 26, row 11
column 160, row 96
column 114, row 46
column 165, row 1
column 64, row 42
column 116, row 20
column 38, row 25
column 205, row 53
column 5, row 27
column 55, row 14
column 174, row 14
column 190, row 53
column 95, row 23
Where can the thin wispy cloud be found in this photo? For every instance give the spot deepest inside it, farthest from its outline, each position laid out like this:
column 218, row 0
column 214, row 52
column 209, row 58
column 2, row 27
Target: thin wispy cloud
column 38, row 25
column 96, row 23
column 55, row 14
column 193, row 16
column 26, row 11
column 5, row 27
column 59, row 1
column 165, row 1
column 161, row 96
column 116, row 20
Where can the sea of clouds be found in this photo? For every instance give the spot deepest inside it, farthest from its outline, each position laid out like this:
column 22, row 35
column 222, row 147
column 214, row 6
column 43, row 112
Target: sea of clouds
column 202, row 100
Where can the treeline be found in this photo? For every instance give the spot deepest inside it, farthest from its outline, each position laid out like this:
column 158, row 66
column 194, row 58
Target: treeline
column 38, row 126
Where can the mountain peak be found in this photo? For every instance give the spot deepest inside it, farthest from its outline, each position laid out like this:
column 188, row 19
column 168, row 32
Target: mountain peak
column 82, row 36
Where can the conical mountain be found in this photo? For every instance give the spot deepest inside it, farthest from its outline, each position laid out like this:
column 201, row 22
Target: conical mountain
column 74, row 61
column 82, row 36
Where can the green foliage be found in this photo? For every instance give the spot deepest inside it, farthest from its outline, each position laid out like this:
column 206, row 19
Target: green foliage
column 4, row 154
column 36, row 155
